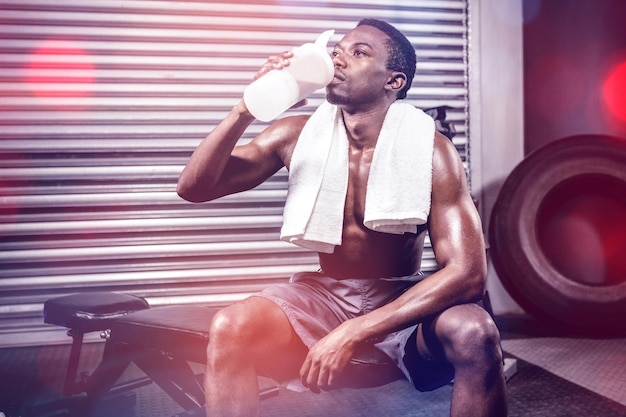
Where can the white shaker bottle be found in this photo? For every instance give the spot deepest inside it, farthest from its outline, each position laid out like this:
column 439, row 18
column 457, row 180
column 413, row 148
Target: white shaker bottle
column 310, row 69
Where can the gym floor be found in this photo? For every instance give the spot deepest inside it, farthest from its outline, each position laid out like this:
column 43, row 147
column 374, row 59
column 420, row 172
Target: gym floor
column 556, row 375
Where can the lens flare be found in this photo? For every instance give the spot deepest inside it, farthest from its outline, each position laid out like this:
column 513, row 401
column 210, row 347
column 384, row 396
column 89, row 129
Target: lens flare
column 59, row 68
column 614, row 91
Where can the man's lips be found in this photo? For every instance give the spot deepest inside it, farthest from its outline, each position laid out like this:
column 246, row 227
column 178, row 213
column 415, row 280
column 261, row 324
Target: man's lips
column 339, row 76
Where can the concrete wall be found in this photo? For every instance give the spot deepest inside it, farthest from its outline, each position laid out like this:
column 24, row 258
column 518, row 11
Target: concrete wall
column 496, row 100
column 541, row 70
column 572, row 49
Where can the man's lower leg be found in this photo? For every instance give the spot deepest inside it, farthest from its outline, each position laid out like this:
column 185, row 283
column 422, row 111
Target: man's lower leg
column 231, row 386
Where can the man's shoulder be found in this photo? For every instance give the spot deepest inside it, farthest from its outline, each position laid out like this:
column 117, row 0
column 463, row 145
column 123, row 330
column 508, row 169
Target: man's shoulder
column 285, row 133
column 289, row 127
column 447, row 164
column 444, row 146
column 297, row 121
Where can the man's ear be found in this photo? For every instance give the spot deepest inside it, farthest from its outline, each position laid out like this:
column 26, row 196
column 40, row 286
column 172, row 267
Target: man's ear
column 396, row 81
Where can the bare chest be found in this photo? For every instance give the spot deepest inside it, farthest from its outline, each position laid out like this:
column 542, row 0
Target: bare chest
column 358, row 173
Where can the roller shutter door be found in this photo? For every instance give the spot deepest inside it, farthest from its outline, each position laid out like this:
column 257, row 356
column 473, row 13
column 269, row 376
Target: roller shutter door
column 101, row 104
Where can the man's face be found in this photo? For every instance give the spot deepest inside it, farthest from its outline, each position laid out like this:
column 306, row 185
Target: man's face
column 360, row 67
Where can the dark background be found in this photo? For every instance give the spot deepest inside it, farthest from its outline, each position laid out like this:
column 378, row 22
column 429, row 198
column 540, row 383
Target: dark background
column 571, row 48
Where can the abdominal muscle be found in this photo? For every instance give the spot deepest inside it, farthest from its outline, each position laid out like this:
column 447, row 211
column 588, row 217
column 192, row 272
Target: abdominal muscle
column 368, row 254
column 365, row 253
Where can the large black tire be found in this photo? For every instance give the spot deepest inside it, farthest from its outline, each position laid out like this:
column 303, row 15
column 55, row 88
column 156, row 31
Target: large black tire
column 558, row 234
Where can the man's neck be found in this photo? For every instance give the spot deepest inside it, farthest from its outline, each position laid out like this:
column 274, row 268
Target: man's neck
column 363, row 128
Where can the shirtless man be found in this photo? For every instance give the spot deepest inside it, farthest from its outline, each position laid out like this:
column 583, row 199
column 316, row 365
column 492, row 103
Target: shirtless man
column 255, row 336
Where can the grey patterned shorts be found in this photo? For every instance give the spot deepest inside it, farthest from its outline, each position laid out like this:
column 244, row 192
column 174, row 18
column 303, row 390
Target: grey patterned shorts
column 315, row 304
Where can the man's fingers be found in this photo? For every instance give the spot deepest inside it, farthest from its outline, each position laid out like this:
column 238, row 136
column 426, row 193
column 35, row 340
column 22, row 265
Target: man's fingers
column 306, row 373
column 274, row 62
column 304, row 370
column 323, row 379
column 310, row 374
column 317, row 377
column 311, row 380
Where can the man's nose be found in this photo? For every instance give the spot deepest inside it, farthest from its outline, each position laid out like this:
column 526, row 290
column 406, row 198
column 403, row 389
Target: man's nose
column 338, row 61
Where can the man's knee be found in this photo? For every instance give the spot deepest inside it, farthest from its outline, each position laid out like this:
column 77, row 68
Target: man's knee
column 254, row 332
column 232, row 325
column 254, row 324
column 471, row 335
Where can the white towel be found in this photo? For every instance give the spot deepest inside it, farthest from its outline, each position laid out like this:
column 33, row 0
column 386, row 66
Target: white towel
column 399, row 183
column 400, row 179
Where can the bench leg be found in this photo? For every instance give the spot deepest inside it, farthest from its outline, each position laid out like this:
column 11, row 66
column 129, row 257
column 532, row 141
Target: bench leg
column 98, row 394
column 114, row 362
column 70, row 385
column 173, row 375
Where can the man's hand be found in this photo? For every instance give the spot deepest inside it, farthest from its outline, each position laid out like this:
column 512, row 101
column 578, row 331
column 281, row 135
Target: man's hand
column 278, row 62
column 328, row 357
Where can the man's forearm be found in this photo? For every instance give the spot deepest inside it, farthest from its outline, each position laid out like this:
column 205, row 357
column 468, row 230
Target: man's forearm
column 434, row 294
column 207, row 163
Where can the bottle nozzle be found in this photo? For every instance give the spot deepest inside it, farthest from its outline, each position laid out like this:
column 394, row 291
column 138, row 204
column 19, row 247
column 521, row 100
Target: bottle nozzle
column 322, row 40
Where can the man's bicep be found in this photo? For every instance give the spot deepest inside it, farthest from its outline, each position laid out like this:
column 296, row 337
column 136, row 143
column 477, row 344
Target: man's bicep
column 248, row 166
column 456, row 233
column 252, row 163
column 454, row 226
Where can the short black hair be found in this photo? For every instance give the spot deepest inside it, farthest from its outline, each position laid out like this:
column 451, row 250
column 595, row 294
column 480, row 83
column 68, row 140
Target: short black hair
column 401, row 53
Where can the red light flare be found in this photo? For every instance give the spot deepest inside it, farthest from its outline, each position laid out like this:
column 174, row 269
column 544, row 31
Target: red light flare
column 59, row 68
column 614, row 91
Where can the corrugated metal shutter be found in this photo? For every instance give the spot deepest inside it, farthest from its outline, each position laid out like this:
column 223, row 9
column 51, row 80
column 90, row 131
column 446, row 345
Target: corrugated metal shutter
column 102, row 102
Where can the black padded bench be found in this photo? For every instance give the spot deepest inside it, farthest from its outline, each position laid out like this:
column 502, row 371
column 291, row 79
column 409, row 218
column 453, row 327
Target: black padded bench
column 162, row 342
column 82, row 314
column 85, row 313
